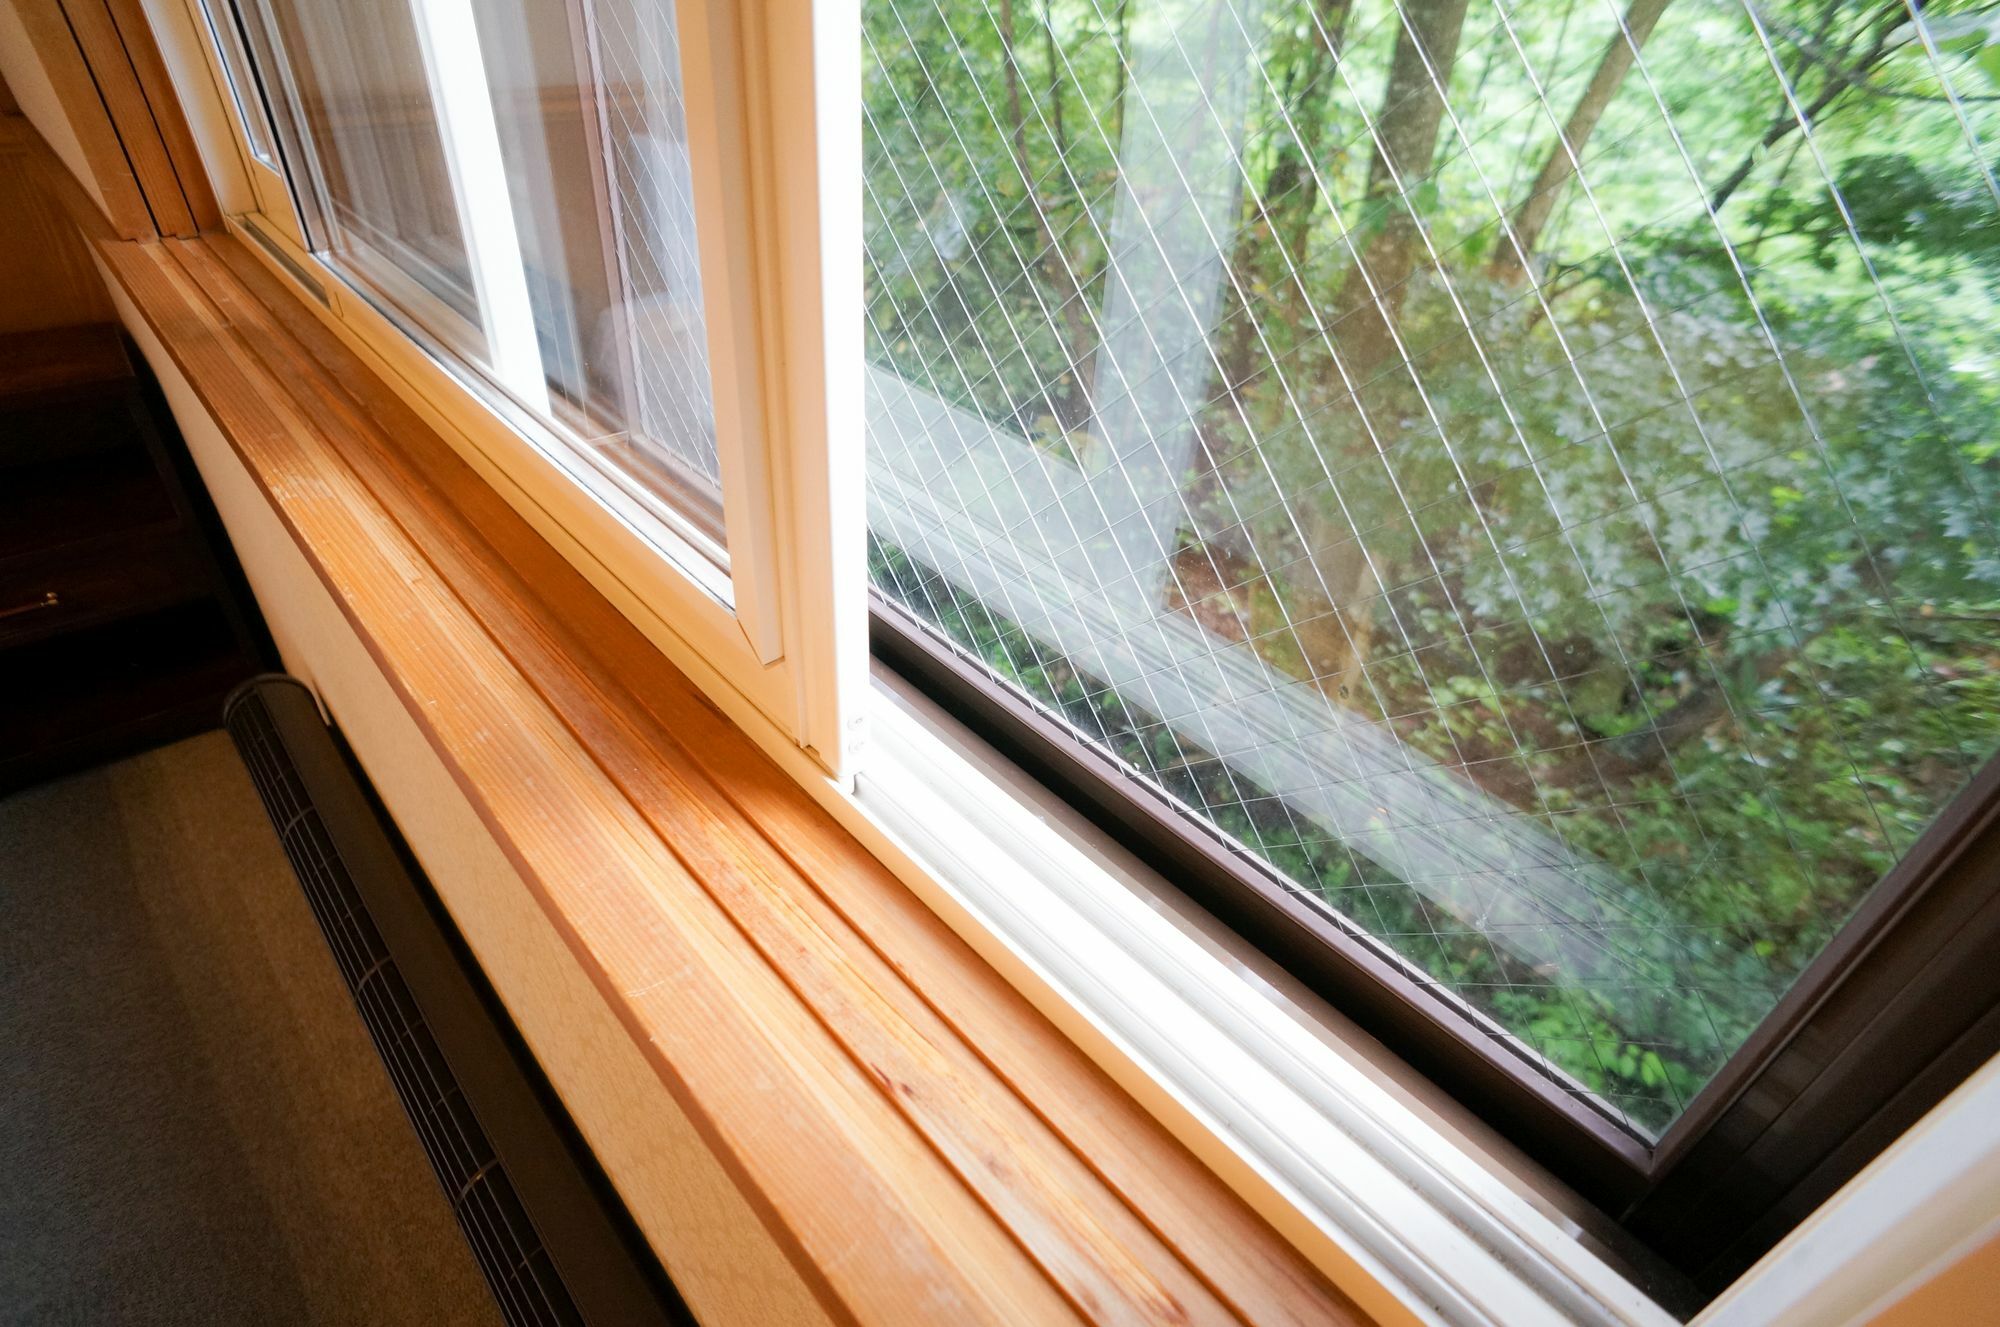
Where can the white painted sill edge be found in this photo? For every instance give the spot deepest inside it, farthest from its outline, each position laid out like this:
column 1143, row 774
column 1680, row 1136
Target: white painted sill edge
column 1407, row 1221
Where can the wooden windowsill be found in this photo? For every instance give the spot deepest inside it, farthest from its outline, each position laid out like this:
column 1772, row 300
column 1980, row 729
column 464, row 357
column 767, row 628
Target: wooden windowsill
column 920, row 1141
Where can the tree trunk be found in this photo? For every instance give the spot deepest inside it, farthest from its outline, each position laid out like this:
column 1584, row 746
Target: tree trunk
column 1078, row 334
column 1511, row 261
column 1367, row 310
column 1280, row 215
column 1337, row 626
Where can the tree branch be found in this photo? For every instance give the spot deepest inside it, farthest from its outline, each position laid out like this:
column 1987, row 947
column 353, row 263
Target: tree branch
column 1784, row 122
column 1511, row 260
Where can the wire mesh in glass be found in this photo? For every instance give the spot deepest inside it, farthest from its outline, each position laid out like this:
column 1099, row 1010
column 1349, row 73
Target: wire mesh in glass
column 1525, row 472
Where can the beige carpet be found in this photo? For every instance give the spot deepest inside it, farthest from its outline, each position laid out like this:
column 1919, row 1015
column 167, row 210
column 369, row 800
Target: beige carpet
column 194, row 1126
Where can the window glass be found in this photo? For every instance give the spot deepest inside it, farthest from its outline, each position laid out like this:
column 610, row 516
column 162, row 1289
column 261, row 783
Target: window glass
column 1524, row 473
column 592, row 128
column 220, row 15
column 512, row 177
column 355, row 77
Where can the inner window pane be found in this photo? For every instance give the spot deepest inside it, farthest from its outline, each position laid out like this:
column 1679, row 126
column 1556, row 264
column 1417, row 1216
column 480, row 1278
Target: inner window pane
column 592, row 127
column 512, row 177
column 355, row 81
column 220, row 15
column 1526, row 473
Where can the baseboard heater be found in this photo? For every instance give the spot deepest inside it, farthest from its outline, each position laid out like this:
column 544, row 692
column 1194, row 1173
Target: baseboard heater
column 555, row 1244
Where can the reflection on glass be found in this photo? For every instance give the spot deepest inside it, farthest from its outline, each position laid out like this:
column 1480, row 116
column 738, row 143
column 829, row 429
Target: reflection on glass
column 220, row 15
column 513, row 177
column 1527, row 472
column 356, row 84
column 591, row 121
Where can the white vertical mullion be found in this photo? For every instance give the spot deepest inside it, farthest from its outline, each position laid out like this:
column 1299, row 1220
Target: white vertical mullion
column 816, row 139
column 450, row 39
column 733, row 221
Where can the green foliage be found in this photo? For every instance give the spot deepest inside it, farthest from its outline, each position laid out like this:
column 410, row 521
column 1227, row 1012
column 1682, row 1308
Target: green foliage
column 1685, row 541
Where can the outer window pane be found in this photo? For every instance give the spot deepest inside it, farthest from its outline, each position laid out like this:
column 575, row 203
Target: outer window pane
column 1504, row 467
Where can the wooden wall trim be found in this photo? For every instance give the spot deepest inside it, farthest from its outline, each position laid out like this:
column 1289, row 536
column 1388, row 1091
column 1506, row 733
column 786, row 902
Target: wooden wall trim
column 923, row 1143
column 142, row 49
column 107, row 70
column 118, row 88
column 69, row 73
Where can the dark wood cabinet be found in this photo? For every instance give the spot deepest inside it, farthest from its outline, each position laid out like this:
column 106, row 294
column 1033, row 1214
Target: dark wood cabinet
column 123, row 617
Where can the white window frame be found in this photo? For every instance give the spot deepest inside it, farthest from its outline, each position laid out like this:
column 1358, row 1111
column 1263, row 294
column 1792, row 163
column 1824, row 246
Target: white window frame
column 246, row 181
column 1416, row 1221
column 777, row 626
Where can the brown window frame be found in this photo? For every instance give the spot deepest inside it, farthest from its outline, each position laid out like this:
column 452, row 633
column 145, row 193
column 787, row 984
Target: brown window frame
column 1900, row 1008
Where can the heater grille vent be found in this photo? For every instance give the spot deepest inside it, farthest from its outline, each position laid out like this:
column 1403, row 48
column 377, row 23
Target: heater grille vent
column 510, row 1252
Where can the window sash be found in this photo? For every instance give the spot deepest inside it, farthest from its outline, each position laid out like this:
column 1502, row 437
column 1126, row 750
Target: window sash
column 759, row 611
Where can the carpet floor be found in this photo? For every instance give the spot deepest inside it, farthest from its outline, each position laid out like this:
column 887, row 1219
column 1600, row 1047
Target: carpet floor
column 194, row 1126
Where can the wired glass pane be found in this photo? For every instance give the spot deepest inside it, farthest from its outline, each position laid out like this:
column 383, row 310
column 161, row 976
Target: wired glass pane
column 1526, row 473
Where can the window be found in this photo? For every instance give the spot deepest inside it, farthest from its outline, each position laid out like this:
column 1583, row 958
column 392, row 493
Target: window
column 1498, row 502
column 243, row 91
column 1518, row 480
column 513, row 181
